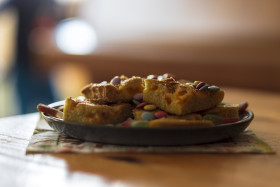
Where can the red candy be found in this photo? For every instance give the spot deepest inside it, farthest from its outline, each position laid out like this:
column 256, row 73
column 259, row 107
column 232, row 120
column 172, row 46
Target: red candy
column 48, row 110
column 127, row 123
column 160, row 114
column 141, row 105
column 200, row 85
column 243, row 106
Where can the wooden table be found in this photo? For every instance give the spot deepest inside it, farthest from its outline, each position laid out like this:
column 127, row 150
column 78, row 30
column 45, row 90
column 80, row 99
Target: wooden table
column 115, row 169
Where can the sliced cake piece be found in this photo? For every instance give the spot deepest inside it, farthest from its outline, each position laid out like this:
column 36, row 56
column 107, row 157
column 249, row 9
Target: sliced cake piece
column 181, row 98
column 85, row 112
column 120, row 89
column 224, row 110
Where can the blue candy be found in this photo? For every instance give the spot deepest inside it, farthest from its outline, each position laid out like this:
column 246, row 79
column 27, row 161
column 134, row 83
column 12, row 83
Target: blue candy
column 148, row 116
column 203, row 88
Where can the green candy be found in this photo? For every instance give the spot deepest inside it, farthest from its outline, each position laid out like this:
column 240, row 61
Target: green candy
column 140, row 124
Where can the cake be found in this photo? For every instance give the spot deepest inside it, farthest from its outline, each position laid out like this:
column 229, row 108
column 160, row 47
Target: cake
column 155, row 101
column 181, row 98
column 89, row 113
column 114, row 92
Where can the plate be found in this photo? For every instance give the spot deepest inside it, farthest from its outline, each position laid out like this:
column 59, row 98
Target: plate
column 145, row 136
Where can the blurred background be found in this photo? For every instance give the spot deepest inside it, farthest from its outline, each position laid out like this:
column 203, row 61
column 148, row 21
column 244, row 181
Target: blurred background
column 50, row 49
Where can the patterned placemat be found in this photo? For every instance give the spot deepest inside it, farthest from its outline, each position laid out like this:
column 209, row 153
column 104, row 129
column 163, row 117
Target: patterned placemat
column 47, row 140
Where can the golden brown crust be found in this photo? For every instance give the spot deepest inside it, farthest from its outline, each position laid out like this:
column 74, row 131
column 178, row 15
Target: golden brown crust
column 179, row 98
column 85, row 112
column 106, row 103
column 114, row 93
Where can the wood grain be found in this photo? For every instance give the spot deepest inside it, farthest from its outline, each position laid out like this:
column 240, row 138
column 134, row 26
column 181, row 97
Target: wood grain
column 123, row 169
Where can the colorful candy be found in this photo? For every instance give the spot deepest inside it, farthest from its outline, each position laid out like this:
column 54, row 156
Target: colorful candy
column 127, row 123
column 200, row 85
column 148, row 116
column 140, row 124
column 138, row 97
column 168, row 75
column 195, row 83
column 152, row 77
column 103, row 83
column 190, row 84
column 160, row 114
column 150, row 107
column 213, row 88
column 203, row 88
column 243, row 106
column 160, row 77
column 141, row 105
column 116, row 80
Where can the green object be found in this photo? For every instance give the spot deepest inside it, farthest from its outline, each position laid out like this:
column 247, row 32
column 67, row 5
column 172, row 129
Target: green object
column 140, row 124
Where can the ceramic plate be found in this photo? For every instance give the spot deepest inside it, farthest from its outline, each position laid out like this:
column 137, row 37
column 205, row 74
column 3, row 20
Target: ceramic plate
column 149, row 136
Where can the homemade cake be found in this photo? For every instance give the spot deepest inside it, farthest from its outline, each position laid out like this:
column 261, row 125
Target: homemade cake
column 181, row 98
column 155, row 101
column 120, row 89
column 85, row 112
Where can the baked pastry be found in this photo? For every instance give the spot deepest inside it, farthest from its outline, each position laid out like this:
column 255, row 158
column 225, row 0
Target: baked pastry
column 158, row 101
column 118, row 91
column 181, row 98
column 86, row 112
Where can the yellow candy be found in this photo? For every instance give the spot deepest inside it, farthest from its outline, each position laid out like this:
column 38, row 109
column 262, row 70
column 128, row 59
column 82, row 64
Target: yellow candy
column 196, row 83
column 150, row 107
